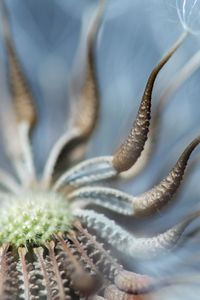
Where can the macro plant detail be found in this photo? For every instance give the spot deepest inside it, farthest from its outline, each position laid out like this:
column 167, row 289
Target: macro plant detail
column 53, row 245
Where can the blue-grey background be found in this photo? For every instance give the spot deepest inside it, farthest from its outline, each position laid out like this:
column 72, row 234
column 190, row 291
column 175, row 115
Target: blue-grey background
column 133, row 37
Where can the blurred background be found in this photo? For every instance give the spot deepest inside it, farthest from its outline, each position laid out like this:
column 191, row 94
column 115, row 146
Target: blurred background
column 133, row 37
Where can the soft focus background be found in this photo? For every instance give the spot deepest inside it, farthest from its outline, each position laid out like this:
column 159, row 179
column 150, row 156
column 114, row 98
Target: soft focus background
column 133, row 37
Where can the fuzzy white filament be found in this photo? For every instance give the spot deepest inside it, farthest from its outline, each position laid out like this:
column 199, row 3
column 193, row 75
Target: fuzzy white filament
column 126, row 242
column 189, row 15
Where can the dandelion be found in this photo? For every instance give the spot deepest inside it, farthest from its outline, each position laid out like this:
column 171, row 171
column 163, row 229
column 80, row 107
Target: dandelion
column 50, row 242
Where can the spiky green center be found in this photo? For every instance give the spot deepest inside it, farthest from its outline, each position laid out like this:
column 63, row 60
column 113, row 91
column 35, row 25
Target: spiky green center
column 33, row 218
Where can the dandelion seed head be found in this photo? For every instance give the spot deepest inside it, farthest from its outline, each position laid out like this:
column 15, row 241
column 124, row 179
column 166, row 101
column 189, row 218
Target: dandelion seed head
column 33, row 218
column 53, row 242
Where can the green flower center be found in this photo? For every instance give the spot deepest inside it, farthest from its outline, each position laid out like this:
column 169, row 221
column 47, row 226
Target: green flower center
column 33, row 218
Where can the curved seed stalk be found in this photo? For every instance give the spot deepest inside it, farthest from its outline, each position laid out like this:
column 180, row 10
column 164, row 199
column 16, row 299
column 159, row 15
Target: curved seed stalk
column 131, row 148
column 127, row 243
column 88, row 171
column 23, row 105
column 84, row 94
column 21, row 93
column 109, row 198
column 85, row 91
column 175, row 83
column 160, row 195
